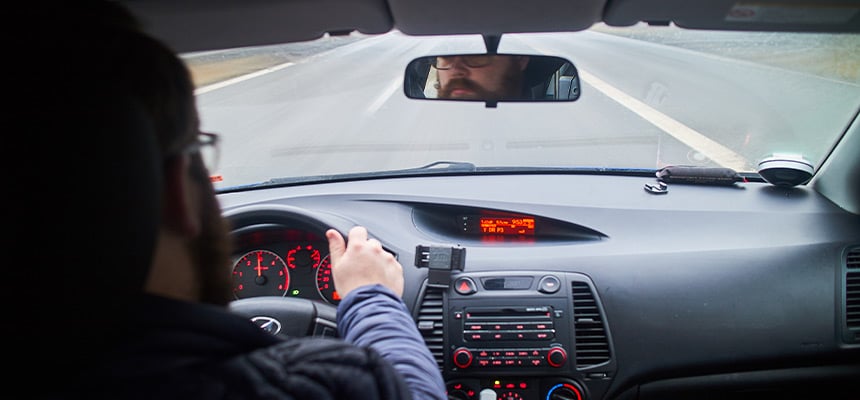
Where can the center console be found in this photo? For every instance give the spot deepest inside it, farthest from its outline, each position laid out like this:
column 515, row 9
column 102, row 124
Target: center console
column 530, row 335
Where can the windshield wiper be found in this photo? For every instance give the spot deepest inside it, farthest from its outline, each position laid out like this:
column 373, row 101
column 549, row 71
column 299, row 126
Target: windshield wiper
column 446, row 165
column 433, row 168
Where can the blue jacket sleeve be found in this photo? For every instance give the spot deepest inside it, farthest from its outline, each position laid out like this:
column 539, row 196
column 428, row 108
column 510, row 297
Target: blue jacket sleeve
column 373, row 316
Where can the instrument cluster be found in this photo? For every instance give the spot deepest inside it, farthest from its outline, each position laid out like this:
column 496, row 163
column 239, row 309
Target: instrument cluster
column 279, row 261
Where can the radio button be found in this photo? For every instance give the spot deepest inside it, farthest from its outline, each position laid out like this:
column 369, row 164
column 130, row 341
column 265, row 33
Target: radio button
column 475, row 336
column 465, row 286
column 549, row 284
column 545, row 335
column 536, row 362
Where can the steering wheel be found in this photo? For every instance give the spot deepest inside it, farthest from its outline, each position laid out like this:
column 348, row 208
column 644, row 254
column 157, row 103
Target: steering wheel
column 289, row 316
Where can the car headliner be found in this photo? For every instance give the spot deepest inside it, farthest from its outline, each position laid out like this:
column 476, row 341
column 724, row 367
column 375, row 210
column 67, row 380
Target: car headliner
column 235, row 23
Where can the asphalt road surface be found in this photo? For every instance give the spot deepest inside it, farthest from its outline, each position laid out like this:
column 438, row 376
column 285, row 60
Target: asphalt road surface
column 643, row 105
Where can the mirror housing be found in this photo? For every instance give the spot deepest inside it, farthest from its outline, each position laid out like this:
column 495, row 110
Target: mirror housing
column 492, row 78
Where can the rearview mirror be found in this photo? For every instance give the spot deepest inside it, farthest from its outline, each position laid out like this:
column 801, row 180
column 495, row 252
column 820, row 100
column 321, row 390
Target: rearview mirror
column 492, row 78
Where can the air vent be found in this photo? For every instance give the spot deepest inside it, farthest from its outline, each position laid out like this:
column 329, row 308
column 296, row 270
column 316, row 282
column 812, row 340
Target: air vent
column 592, row 343
column 430, row 323
column 852, row 296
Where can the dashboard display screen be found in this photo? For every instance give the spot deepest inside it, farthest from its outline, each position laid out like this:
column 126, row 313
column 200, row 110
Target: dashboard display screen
column 520, row 225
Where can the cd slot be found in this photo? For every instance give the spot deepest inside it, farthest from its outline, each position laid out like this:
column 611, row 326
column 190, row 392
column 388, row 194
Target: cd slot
column 523, row 314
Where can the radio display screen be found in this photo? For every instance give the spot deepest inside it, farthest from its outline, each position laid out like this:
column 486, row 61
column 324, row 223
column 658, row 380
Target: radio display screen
column 521, row 225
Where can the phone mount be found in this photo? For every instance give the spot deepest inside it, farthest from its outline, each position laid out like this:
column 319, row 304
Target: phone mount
column 441, row 261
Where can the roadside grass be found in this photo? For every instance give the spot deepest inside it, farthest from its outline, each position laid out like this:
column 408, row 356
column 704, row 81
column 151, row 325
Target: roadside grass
column 215, row 66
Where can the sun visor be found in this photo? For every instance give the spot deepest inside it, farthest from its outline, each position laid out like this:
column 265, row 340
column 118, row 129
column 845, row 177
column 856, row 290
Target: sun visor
column 741, row 15
column 414, row 17
column 197, row 25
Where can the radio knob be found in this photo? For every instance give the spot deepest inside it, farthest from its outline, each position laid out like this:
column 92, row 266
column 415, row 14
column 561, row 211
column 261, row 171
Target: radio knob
column 462, row 358
column 556, row 357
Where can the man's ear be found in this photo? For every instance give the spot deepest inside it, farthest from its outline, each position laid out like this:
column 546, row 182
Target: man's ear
column 179, row 210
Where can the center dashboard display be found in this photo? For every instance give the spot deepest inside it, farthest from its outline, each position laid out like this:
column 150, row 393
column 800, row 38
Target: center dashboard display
column 487, row 225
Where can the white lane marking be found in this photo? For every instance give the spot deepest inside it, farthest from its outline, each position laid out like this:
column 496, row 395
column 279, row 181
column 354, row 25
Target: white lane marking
column 718, row 153
column 382, row 98
column 238, row 79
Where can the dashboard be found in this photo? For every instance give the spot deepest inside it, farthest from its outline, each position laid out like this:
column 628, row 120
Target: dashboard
column 607, row 293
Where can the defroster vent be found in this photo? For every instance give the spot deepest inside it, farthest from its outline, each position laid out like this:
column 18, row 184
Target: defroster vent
column 430, row 323
column 592, row 342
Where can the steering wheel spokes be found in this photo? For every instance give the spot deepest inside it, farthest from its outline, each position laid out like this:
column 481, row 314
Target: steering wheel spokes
column 289, row 316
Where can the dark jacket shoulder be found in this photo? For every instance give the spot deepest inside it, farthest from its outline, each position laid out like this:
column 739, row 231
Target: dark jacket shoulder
column 191, row 351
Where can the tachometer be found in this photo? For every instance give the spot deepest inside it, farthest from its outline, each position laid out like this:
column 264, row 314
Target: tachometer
column 260, row 273
column 325, row 283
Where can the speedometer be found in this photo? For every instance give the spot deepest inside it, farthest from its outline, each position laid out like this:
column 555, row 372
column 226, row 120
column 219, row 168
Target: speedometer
column 325, row 282
column 260, row 273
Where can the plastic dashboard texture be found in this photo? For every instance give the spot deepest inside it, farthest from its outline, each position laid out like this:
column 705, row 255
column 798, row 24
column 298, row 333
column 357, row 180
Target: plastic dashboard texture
column 705, row 290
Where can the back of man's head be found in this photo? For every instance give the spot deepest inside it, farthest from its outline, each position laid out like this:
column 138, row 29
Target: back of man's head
column 87, row 176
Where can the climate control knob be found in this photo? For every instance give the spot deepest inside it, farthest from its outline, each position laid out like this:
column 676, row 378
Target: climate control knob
column 565, row 391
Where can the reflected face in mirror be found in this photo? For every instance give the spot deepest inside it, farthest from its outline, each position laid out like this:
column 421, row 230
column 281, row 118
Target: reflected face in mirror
column 480, row 77
column 492, row 78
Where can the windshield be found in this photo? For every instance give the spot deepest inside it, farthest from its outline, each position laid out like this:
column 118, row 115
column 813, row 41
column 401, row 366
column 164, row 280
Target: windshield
column 650, row 97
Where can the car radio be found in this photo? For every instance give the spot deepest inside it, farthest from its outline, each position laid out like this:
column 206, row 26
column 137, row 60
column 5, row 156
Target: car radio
column 512, row 336
column 484, row 336
column 505, row 337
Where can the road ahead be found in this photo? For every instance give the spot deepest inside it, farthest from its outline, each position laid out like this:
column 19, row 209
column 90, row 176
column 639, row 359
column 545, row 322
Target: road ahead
column 643, row 105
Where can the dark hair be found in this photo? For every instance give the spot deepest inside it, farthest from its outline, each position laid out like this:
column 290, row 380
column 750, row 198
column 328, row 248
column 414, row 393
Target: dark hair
column 102, row 46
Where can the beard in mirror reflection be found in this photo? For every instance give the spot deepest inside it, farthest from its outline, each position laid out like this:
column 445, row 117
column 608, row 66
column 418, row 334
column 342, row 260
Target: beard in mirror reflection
column 501, row 79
